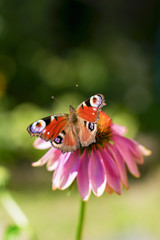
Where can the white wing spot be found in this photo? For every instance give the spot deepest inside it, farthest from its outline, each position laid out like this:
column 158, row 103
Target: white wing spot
column 52, row 117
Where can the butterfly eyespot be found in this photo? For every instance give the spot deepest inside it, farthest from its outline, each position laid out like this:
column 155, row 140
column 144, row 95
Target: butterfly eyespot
column 96, row 101
column 89, row 125
column 58, row 140
column 38, row 126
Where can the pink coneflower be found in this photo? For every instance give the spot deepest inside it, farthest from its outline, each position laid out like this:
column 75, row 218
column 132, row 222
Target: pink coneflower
column 99, row 167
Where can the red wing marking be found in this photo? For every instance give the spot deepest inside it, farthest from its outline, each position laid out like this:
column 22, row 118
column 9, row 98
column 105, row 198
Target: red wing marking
column 88, row 113
column 56, row 126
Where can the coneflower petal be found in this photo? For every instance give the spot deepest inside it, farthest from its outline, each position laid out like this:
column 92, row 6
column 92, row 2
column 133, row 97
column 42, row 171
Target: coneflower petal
column 127, row 155
column 41, row 144
column 97, row 174
column 113, row 177
column 48, row 156
column 120, row 163
column 70, row 170
column 84, row 186
column 57, row 175
column 118, row 129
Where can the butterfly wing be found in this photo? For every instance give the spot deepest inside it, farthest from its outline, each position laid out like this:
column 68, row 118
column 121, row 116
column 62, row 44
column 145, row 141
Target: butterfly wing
column 57, row 130
column 88, row 114
column 67, row 140
column 48, row 128
column 89, row 110
column 87, row 132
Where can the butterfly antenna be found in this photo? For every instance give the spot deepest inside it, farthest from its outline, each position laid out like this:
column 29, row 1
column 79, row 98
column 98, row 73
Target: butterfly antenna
column 60, row 102
column 75, row 91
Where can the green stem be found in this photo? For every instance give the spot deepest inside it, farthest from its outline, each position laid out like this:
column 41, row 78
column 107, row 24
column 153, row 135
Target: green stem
column 80, row 221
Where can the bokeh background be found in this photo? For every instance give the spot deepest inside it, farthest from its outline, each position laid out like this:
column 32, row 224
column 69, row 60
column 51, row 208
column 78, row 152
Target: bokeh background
column 46, row 48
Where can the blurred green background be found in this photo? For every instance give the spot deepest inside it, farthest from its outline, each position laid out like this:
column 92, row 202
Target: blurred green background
column 108, row 47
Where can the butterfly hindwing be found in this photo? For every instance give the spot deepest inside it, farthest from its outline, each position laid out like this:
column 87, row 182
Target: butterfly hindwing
column 87, row 132
column 67, row 140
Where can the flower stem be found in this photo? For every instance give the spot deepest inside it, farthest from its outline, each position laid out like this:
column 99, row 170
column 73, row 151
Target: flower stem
column 80, row 221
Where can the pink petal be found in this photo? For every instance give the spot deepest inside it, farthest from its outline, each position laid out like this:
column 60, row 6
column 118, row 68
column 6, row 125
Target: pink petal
column 120, row 164
column 53, row 162
column 51, row 154
column 56, row 180
column 41, row 144
column 113, row 177
column 70, row 170
column 127, row 156
column 109, row 190
column 67, row 170
column 144, row 151
column 133, row 148
column 84, row 186
column 96, row 173
column 118, row 129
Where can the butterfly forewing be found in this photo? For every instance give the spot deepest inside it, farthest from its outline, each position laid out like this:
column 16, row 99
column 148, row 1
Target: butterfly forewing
column 48, row 128
column 88, row 113
column 89, row 110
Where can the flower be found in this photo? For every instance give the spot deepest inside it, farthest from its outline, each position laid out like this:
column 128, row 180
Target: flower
column 99, row 167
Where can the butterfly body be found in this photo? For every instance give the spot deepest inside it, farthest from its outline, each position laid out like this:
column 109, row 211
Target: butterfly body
column 72, row 115
column 68, row 132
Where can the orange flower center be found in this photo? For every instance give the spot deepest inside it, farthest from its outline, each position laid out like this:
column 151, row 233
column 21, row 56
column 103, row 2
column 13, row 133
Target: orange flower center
column 104, row 128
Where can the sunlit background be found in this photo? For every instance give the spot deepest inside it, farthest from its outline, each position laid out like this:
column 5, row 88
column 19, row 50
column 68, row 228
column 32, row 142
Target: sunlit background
column 46, row 48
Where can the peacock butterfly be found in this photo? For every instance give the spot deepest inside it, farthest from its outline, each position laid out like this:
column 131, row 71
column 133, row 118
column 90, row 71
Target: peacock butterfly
column 68, row 132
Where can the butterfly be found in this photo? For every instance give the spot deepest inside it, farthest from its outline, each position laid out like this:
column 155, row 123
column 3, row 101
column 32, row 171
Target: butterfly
column 67, row 132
